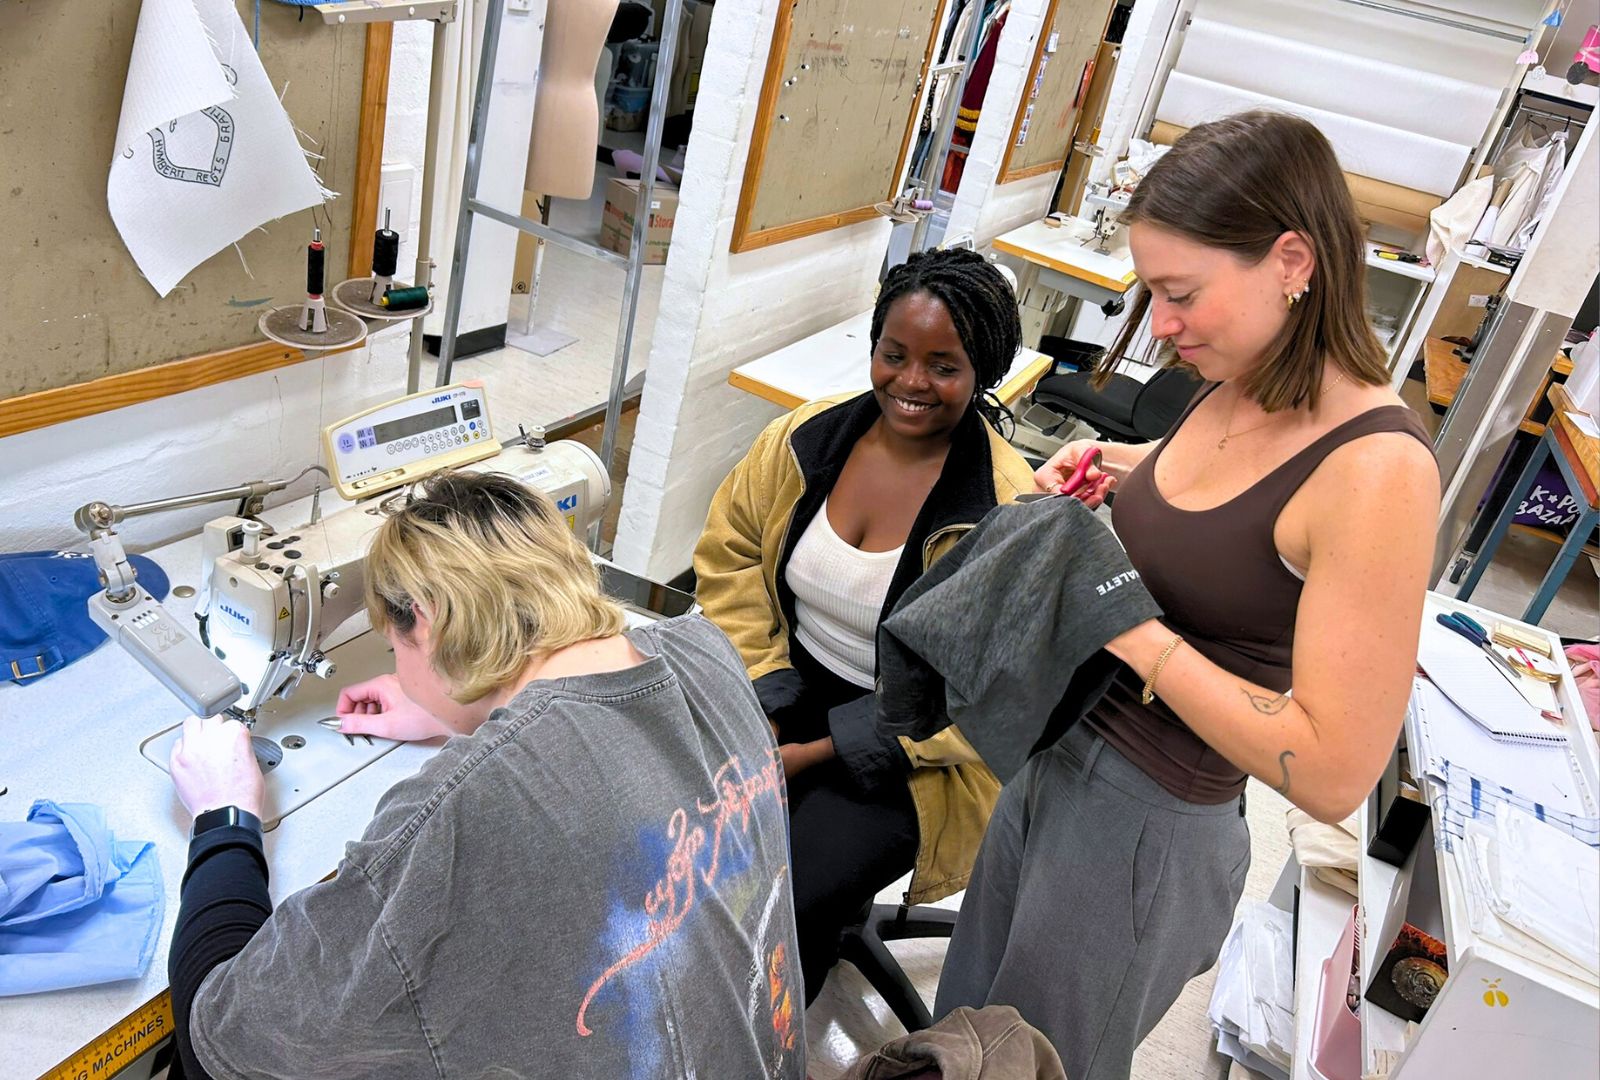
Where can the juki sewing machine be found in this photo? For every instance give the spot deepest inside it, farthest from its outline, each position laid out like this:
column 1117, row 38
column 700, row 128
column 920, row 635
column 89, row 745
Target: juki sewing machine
column 276, row 605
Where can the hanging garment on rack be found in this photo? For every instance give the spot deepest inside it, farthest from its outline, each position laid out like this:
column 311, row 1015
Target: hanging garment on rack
column 1549, row 180
column 1451, row 224
column 972, row 102
column 960, row 30
column 957, row 31
column 1521, row 166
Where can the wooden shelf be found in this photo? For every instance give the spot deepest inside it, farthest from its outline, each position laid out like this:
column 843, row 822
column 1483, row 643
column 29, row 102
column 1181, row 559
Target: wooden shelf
column 1585, row 448
column 1395, row 266
column 1444, row 370
column 1550, row 536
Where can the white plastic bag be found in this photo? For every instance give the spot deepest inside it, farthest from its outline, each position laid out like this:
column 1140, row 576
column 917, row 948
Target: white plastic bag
column 1253, row 1001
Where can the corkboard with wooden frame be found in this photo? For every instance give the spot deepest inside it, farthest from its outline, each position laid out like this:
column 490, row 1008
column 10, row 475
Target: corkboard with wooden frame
column 83, row 331
column 839, row 105
column 1058, row 83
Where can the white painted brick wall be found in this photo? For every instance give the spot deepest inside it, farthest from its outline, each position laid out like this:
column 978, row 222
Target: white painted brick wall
column 984, row 207
column 719, row 310
column 1015, row 204
column 1146, row 35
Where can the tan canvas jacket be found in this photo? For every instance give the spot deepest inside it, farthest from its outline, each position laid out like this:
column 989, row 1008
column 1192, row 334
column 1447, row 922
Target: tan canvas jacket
column 736, row 564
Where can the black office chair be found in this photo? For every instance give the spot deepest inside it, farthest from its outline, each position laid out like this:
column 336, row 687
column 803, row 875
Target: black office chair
column 1125, row 410
column 863, row 945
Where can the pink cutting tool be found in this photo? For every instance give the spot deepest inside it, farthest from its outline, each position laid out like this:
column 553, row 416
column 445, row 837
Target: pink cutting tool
column 1080, row 475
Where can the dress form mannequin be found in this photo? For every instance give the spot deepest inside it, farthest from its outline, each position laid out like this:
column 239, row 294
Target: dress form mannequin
column 565, row 113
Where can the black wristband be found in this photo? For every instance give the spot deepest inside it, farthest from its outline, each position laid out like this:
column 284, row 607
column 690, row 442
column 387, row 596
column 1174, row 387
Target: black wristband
column 222, row 817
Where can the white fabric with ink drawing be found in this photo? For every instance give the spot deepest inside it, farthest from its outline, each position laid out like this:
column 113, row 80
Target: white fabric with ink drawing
column 205, row 152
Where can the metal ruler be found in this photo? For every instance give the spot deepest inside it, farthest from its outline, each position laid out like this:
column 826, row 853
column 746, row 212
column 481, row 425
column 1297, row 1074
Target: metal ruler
column 121, row 1045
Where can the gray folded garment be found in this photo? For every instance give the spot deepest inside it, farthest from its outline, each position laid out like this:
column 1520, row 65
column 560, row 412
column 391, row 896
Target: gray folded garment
column 1003, row 635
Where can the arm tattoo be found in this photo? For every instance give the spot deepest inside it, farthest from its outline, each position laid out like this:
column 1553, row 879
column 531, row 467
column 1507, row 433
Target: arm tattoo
column 1269, row 706
column 1283, row 763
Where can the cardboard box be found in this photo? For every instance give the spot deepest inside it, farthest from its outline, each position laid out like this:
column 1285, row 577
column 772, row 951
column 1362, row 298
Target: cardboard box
column 616, row 224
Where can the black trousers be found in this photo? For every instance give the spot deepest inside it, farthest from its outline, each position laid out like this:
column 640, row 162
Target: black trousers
column 846, row 844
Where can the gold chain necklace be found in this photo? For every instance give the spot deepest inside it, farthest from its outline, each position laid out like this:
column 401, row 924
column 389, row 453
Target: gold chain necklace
column 1222, row 443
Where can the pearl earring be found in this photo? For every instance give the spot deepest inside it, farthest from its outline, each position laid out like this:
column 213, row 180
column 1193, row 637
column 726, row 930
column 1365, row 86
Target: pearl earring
column 1290, row 299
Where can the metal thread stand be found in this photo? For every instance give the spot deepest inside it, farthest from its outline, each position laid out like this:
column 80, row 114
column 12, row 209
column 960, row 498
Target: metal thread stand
column 632, row 265
column 441, row 13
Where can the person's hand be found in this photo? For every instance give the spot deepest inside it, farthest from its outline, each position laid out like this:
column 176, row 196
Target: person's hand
column 797, row 757
column 1055, row 472
column 213, row 766
column 379, row 707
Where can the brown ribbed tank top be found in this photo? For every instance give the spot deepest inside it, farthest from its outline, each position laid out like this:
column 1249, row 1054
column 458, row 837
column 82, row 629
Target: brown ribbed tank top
column 1219, row 579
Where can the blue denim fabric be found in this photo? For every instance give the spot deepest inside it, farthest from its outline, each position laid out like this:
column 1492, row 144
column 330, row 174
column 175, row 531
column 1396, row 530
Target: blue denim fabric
column 77, row 907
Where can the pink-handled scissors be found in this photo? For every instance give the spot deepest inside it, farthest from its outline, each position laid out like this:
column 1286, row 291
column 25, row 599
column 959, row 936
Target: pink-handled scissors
column 1074, row 485
column 1080, row 475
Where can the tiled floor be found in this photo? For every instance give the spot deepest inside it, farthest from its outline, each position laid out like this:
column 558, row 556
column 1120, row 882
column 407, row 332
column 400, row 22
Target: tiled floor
column 578, row 296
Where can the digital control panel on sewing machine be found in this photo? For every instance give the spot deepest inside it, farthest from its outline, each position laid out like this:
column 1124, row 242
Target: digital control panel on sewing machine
column 279, row 619
column 396, row 442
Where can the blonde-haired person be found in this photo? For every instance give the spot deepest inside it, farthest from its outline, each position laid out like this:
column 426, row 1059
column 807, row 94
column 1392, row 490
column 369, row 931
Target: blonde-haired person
column 590, row 878
column 1286, row 527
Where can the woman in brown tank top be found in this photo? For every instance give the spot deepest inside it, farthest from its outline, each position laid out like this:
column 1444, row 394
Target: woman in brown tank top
column 1286, row 527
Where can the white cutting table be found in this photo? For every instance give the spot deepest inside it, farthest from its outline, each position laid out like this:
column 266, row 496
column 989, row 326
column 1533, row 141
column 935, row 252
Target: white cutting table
column 1064, row 259
column 836, row 361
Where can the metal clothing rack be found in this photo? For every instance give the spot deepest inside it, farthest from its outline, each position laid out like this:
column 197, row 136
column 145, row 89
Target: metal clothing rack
column 1527, row 105
column 473, row 207
column 955, row 73
column 1426, row 16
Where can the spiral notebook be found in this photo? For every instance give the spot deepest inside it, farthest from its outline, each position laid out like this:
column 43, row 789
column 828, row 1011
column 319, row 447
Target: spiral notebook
column 1466, row 675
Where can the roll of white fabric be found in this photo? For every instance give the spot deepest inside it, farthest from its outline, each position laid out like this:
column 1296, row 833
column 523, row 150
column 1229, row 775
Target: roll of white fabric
column 1366, row 148
column 1349, row 84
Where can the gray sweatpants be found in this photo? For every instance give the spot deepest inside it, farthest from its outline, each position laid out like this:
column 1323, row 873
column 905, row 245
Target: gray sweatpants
column 1095, row 897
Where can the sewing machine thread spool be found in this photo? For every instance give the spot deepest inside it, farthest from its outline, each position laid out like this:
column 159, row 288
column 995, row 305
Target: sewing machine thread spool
column 313, row 325
column 369, row 297
column 315, row 256
column 385, row 250
column 402, row 299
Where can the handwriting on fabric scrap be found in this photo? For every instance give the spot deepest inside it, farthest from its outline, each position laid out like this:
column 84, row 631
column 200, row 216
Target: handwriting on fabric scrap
column 696, row 854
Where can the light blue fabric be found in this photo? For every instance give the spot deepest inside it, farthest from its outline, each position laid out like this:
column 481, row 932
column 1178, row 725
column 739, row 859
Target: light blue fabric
column 77, row 907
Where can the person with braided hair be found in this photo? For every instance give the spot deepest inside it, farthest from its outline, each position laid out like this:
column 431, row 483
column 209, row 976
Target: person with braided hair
column 810, row 541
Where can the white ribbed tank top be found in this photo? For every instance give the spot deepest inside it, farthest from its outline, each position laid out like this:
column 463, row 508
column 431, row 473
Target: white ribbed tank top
column 839, row 591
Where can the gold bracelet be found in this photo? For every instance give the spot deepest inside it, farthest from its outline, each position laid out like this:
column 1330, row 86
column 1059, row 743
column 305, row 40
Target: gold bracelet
column 1149, row 693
